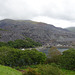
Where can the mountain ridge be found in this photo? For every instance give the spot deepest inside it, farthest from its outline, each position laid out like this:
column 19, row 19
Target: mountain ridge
column 38, row 31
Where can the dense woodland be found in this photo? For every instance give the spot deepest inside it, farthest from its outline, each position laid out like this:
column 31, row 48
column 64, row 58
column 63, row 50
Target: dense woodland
column 19, row 43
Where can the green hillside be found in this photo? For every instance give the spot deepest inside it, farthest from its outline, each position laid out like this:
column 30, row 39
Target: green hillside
column 8, row 71
column 71, row 29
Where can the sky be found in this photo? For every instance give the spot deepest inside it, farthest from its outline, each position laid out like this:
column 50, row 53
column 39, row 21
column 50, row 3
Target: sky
column 60, row 13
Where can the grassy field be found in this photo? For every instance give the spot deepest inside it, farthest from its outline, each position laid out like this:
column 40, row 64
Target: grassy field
column 68, row 72
column 4, row 70
column 8, row 71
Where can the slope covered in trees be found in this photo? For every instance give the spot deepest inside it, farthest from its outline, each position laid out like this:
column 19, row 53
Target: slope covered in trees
column 19, row 43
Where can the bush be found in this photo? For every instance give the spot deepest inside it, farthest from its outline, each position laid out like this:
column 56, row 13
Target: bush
column 15, row 57
column 49, row 70
column 31, row 72
column 68, row 59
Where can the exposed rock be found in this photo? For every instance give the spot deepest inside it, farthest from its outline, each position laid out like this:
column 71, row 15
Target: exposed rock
column 41, row 32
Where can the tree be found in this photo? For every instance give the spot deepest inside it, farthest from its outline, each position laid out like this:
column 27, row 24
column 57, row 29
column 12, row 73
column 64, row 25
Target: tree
column 16, row 57
column 68, row 59
column 19, row 43
column 53, row 55
column 3, row 44
column 10, row 43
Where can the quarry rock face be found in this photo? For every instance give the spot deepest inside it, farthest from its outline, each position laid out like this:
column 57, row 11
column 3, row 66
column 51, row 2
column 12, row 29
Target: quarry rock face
column 11, row 30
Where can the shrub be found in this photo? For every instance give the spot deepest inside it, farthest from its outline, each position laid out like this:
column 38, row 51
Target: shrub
column 49, row 70
column 31, row 72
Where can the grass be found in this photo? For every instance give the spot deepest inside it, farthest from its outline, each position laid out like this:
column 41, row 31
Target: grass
column 65, row 72
column 68, row 72
column 4, row 70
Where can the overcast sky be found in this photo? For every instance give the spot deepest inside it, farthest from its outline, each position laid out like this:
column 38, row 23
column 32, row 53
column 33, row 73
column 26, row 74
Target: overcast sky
column 60, row 13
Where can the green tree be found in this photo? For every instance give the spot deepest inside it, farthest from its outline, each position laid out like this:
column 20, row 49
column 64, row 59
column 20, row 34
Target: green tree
column 19, row 43
column 68, row 59
column 16, row 57
column 53, row 55
column 3, row 44
column 10, row 43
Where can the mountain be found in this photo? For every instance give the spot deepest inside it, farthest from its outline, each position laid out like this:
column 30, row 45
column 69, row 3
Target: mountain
column 38, row 31
column 71, row 29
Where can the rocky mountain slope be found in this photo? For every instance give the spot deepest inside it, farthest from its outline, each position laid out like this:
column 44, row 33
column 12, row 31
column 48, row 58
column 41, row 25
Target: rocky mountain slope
column 41, row 32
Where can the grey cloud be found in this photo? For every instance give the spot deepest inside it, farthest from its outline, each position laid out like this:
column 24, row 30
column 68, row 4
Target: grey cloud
column 27, row 9
column 15, row 9
column 61, row 10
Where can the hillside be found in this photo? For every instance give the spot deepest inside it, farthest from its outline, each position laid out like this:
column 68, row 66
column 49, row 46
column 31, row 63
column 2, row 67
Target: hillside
column 38, row 31
column 71, row 29
column 8, row 71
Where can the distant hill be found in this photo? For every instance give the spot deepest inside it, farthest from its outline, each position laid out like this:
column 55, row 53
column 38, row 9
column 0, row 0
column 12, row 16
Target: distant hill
column 38, row 31
column 71, row 29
